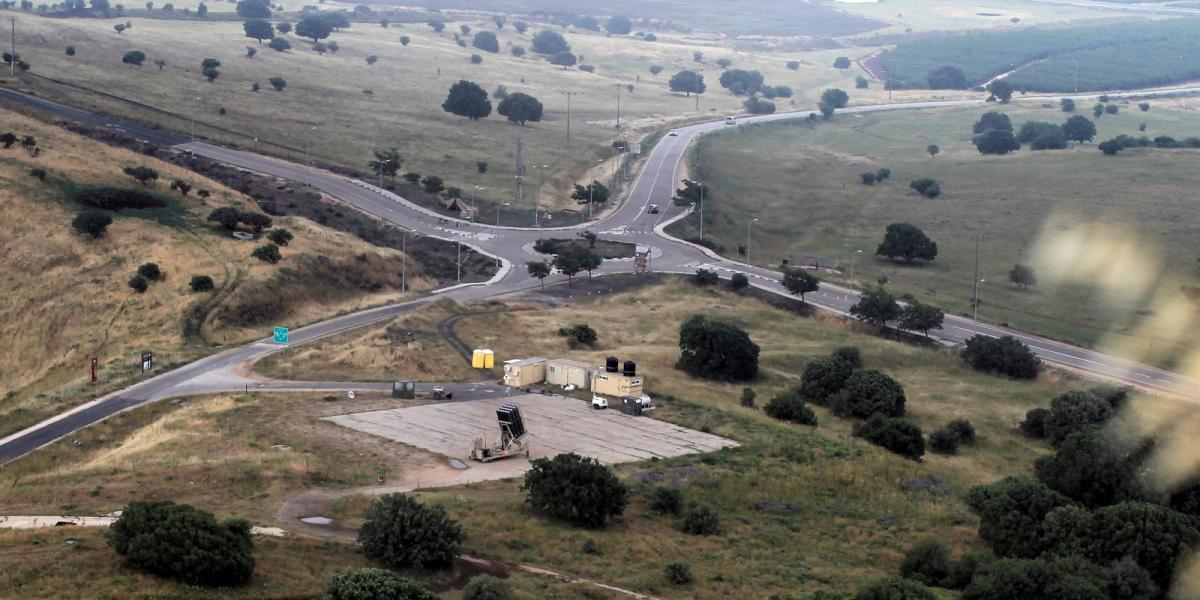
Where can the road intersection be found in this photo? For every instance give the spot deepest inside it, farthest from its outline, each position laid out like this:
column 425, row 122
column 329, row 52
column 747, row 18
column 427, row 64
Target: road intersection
column 631, row 222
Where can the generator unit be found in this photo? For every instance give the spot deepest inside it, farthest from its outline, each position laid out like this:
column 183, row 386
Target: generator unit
column 512, row 440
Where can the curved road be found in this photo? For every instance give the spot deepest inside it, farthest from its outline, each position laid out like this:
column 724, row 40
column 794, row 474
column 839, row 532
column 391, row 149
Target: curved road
column 631, row 222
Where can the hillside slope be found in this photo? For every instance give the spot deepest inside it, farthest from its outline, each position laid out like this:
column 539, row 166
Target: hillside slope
column 67, row 297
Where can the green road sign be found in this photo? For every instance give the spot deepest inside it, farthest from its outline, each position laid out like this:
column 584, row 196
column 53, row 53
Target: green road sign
column 281, row 335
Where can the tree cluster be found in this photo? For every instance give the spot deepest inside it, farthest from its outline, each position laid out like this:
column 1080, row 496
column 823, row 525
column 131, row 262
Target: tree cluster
column 1004, row 355
column 400, row 532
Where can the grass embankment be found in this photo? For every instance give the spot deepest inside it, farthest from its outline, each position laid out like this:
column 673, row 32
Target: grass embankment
column 802, row 508
column 327, row 112
column 67, row 297
column 1128, row 212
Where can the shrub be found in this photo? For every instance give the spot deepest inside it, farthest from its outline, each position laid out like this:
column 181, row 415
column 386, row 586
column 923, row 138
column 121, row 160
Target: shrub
column 869, row 393
column 150, row 271
column 1006, row 356
column 739, row 281
column 268, row 253
column 701, row 519
column 374, row 584
column 1072, row 411
column 106, row 198
column 678, row 573
column 38, row 173
column 579, row 334
column 943, row 441
column 1034, row 424
column 895, row 434
column 926, row 187
column 590, row 546
column 705, row 277
column 927, row 562
column 789, row 406
column 748, row 397
column 400, row 532
column 486, row 587
column 575, row 488
column 849, row 354
column 1058, row 578
column 1012, row 512
column 139, row 284
column 824, row 378
column 964, row 570
column 92, row 223
column 894, row 588
column 666, row 500
column 201, row 283
column 183, row 543
column 963, row 430
column 716, row 350
column 280, row 236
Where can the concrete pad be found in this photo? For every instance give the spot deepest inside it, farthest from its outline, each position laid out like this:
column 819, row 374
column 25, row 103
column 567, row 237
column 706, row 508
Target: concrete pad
column 556, row 424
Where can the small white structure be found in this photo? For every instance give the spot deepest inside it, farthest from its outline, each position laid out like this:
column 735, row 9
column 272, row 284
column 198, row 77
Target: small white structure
column 563, row 372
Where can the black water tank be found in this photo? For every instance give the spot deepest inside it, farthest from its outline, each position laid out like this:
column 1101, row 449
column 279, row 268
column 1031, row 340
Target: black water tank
column 630, row 368
column 610, row 365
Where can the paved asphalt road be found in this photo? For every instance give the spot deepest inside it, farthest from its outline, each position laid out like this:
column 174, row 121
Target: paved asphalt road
column 632, row 222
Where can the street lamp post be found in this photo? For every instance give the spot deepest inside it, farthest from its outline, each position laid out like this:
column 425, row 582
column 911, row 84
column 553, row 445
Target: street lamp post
column 975, row 303
column 381, row 165
column 975, row 295
column 852, row 257
column 404, row 263
column 197, row 99
column 748, row 224
column 537, row 192
column 307, row 155
column 458, row 260
column 701, row 184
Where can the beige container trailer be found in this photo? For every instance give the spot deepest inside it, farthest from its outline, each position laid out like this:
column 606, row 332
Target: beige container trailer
column 562, row 372
column 617, row 385
column 525, row 372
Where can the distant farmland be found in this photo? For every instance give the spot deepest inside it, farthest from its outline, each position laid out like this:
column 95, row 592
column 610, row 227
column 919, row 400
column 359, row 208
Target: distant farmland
column 1122, row 56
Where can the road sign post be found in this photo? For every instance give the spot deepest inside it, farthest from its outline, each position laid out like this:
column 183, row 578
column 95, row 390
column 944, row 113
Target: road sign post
column 147, row 361
column 95, row 364
column 281, row 335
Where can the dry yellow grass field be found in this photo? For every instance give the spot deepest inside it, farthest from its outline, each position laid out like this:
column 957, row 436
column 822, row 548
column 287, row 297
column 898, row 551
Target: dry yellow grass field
column 67, row 298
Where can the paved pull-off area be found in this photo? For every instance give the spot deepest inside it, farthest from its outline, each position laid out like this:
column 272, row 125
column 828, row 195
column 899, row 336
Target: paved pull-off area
column 556, row 424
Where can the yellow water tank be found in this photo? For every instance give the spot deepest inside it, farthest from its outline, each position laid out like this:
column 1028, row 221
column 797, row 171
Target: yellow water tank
column 489, row 359
column 477, row 359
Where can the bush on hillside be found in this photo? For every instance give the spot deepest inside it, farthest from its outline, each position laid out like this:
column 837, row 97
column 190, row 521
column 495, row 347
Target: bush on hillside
column 824, row 378
column 92, row 223
column 701, row 519
column 943, row 441
column 1072, row 411
column 201, row 283
column 486, row 587
column 400, row 532
column 575, row 488
column 139, row 284
column 927, row 562
column 868, row 393
column 1034, row 424
column 895, row 434
column 849, row 354
column 183, row 543
column 678, row 573
column 150, row 271
column 894, row 588
column 110, row 198
column 1006, row 356
column 789, row 406
column 716, row 350
column 374, row 584
column 666, row 500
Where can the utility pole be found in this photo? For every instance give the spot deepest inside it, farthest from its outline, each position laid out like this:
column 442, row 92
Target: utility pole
column 975, row 294
column 748, row 224
column 12, row 66
column 701, row 184
column 458, row 260
column 404, row 264
column 538, row 191
column 568, row 95
column 852, row 258
column 618, row 106
column 519, row 192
